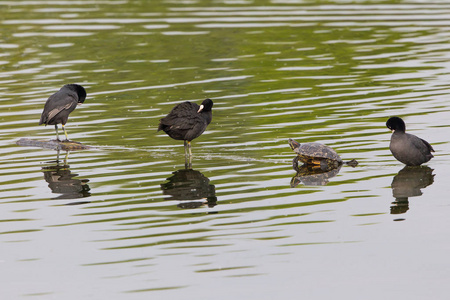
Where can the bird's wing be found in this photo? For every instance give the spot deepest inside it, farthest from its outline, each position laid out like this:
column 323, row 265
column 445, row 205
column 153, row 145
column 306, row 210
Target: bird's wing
column 56, row 103
column 182, row 116
column 418, row 143
column 428, row 145
column 197, row 129
column 59, row 109
column 185, row 109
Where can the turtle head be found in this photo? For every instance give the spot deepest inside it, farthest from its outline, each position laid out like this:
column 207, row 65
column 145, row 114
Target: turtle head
column 293, row 144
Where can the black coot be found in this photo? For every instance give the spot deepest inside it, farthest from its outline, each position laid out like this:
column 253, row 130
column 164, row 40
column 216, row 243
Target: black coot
column 407, row 148
column 61, row 104
column 187, row 121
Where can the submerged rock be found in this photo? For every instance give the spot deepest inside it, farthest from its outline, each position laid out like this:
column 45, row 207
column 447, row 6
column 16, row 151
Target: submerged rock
column 53, row 144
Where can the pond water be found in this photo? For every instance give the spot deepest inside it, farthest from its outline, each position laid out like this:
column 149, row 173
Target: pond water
column 125, row 220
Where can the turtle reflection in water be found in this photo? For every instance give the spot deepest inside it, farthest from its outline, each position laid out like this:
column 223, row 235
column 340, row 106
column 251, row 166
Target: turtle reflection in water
column 320, row 163
column 312, row 175
column 189, row 186
column 408, row 183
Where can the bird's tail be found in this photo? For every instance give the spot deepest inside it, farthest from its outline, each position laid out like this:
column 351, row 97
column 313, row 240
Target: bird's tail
column 43, row 120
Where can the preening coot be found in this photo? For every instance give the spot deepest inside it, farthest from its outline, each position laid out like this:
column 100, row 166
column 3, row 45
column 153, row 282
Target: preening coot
column 407, row 148
column 187, row 121
column 61, row 104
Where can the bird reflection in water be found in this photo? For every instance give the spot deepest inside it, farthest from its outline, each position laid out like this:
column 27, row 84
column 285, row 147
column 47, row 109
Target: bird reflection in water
column 408, row 183
column 314, row 174
column 61, row 181
column 190, row 186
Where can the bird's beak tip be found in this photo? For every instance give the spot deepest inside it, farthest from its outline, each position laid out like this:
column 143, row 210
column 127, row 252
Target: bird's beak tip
column 201, row 108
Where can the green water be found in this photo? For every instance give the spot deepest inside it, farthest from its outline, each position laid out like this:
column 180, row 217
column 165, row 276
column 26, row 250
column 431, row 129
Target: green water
column 125, row 220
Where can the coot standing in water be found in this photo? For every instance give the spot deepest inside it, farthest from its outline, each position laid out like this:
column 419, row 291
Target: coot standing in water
column 407, row 148
column 60, row 105
column 187, row 121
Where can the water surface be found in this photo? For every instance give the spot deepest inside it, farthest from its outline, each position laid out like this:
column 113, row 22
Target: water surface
column 126, row 220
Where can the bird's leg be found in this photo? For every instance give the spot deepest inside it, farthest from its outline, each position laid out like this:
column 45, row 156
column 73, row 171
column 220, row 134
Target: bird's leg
column 187, row 161
column 66, row 158
column 67, row 138
column 56, row 128
column 190, row 155
column 185, row 148
column 190, row 151
column 186, row 164
column 57, row 157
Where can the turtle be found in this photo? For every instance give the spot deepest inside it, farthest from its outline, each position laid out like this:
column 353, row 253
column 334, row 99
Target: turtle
column 317, row 154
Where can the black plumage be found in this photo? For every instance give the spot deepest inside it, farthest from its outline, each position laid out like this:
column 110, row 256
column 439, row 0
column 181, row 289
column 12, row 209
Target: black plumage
column 407, row 148
column 61, row 104
column 187, row 121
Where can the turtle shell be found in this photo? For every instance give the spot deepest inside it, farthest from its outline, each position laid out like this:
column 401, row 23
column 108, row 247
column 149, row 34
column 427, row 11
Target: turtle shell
column 314, row 153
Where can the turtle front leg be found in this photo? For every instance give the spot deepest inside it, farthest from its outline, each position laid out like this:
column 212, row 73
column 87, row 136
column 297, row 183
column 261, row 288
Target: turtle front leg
column 295, row 164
